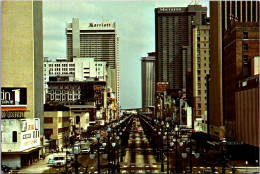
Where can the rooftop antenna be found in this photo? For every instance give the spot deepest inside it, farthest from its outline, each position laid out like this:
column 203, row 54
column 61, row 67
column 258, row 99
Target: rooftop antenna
column 195, row 2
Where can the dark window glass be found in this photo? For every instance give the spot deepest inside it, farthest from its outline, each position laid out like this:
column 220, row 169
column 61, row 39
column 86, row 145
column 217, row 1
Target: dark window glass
column 14, row 136
column 245, row 35
column 245, row 58
column 245, row 47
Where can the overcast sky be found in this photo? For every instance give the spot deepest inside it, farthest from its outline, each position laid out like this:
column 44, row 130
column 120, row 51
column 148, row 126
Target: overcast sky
column 135, row 27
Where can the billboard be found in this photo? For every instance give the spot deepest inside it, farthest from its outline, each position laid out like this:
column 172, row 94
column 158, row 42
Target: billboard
column 13, row 96
column 162, row 86
column 30, row 133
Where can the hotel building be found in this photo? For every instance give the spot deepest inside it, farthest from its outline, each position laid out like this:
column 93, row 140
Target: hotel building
column 173, row 26
column 98, row 41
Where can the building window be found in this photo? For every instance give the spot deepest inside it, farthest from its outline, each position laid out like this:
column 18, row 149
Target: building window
column 14, row 136
column 48, row 120
column 245, row 58
column 245, row 35
column 245, row 47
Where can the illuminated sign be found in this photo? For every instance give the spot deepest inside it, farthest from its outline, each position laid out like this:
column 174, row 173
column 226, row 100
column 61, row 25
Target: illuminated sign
column 162, row 86
column 13, row 96
column 100, row 25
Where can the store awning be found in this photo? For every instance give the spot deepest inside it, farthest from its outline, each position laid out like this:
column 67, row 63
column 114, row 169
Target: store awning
column 27, row 151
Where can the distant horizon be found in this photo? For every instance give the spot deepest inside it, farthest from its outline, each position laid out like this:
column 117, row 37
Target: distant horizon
column 135, row 23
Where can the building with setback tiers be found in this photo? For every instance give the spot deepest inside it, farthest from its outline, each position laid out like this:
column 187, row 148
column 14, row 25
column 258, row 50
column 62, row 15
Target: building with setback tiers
column 98, row 41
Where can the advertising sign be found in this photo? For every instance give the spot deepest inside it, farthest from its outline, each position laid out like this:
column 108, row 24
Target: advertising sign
column 162, row 86
column 30, row 135
column 13, row 96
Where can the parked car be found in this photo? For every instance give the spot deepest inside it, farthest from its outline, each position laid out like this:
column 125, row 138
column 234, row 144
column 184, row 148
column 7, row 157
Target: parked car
column 6, row 168
column 51, row 160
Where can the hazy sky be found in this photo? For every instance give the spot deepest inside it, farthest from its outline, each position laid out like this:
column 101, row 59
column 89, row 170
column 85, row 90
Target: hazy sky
column 135, row 22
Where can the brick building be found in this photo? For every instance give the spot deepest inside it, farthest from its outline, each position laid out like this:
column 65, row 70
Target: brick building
column 241, row 43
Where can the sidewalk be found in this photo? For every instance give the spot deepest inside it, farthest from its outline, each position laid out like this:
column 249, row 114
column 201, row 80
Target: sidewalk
column 37, row 167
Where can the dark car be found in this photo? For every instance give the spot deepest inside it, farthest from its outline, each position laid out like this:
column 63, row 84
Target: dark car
column 6, row 168
column 106, row 165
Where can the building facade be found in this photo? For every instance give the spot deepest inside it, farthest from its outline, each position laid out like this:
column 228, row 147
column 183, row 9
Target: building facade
column 201, row 62
column 98, row 41
column 57, row 127
column 81, row 69
column 241, row 44
column 148, row 81
column 173, row 26
column 220, row 14
column 21, row 78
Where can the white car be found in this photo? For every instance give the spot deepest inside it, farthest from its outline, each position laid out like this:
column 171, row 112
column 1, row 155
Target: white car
column 87, row 150
column 59, row 159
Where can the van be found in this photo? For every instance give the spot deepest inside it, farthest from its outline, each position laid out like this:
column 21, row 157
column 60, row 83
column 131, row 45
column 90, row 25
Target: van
column 59, row 159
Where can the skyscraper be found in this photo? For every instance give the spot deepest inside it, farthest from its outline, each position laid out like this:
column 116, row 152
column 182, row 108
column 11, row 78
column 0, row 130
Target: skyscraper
column 22, row 52
column 21, row 82
column 148, row 80
column 98, row 41
column 201, row 62
column 173, row 42
column 220, row 14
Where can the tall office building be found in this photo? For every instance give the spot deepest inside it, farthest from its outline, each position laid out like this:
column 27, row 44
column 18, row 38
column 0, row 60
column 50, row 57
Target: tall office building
column 148, row 81
column 220, row 14
column 173, row 42
column 21, row 82
column 98, row 41
column 201, row 62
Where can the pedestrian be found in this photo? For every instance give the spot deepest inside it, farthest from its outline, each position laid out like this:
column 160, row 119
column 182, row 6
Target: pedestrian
column 57, row 149
column 52, row 151
column 62, row 149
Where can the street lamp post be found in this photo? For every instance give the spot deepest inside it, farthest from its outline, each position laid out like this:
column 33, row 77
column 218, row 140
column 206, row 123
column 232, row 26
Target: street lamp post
column 113, row 145
column 167, row 130
column 176, row 129
column 121, row 154
column 108, row 135
column 98, row 138
column 118, row 157
column 77, row 164
column 162, row 165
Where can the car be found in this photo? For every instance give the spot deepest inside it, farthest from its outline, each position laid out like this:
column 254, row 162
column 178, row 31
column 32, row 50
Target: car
column 86, row 150
column 51, row 160
column 106, row 165
column 6, row 168
column 140, row 129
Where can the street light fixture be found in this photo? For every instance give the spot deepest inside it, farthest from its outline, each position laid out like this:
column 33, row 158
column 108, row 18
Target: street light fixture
column 98, row 138
column 113, row 145
column 167, row 130
column 108, row 135
column 76, row 164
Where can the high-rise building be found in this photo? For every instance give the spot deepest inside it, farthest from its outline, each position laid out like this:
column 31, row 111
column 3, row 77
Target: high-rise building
column 98, row 41
column 148, row 81
column 220, row 14
column 201, row 61
column 173, row 42
column 21, row 82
